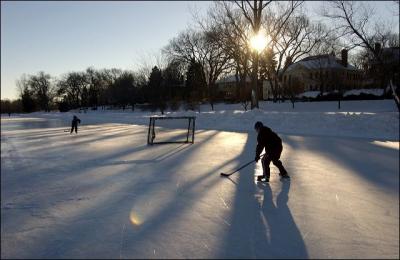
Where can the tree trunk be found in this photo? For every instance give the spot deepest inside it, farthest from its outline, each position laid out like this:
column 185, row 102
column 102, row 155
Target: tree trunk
column 275, row 90
column 211, row 95
column 395, row 96
column 237, row 86
column 254, row 101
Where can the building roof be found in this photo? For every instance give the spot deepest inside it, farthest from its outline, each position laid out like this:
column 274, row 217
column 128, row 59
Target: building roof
column 231, row 78
column 320, row 62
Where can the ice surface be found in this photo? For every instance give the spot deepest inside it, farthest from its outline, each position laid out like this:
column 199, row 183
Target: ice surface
column 105, row 194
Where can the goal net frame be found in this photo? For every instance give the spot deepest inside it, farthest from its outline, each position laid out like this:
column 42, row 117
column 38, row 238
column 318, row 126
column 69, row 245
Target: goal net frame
column 191, row 123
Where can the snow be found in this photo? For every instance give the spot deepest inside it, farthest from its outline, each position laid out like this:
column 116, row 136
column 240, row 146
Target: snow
column 230, row 79
column 356, row 92
column 104, row 193
column 320, row 62
column 309, row 94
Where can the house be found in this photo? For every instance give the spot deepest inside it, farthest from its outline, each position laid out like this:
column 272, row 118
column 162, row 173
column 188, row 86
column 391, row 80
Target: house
column 324, row 73
column 267, row 87
column 227, row 86
column 379, row 74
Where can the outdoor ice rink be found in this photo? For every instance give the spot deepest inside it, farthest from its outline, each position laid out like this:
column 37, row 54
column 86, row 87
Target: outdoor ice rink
column 105, row 193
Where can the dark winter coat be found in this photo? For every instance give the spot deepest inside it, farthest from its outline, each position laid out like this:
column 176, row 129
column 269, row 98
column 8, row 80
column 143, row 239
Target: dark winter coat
column 269, row 140
column 75, row 121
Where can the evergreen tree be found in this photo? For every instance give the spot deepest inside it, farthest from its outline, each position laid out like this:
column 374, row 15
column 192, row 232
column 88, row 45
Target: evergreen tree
column 195, row 84
column 28, row 102
column 173, row 82
column 157, row 89
column 124, row 90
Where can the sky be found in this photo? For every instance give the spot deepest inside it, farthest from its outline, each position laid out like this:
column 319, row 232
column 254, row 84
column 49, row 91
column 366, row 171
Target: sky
column 60, row 37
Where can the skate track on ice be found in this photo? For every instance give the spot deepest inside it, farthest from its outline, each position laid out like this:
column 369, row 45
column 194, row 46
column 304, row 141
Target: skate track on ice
column 105, row 194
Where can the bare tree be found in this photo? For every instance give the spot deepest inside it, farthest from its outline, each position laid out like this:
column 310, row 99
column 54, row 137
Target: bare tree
column 94, row 80
column 216, row 62
column 330, row 45
column 203, row 47
column 43, row 90
column 185, row 47
column 21, row 84
column 353, row 20
column 236, row 22
column 253, row 13
column 147, row 60
column 232, row 30
column 296, row 39
column 273, row 23
column 26, row 95
column 70, row 87
column 397, row 7
column 384, row 34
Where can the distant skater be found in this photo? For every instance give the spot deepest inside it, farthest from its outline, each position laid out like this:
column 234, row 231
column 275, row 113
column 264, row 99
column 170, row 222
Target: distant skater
column 273, row 148
column 75, row 122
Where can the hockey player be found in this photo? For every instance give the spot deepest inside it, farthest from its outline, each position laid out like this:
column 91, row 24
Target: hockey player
column 273, row 148
column 75, row 122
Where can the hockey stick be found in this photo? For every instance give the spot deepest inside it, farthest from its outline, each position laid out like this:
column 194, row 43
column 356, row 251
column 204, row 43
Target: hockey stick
column 241, row 167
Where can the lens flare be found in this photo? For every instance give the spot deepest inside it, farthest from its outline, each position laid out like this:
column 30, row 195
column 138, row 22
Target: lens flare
column 258, row 42
column 135, row 218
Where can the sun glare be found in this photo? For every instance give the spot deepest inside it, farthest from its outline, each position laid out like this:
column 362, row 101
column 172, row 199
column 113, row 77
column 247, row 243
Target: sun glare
column 258, row 42
column 136, row 220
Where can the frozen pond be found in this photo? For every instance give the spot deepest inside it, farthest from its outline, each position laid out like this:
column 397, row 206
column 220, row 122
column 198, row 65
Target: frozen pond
column 21, row 123
column 105, row 194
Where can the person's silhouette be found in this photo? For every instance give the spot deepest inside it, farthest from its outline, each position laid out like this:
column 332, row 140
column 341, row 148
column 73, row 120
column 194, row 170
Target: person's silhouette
column 272, row 143
column 75, row 121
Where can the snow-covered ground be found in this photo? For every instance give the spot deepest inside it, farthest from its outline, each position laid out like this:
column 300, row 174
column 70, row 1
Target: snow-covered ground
column 356, row 92
column 105, row 193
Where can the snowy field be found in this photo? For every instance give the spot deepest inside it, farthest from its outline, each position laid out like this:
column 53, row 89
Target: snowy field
column 105, row 193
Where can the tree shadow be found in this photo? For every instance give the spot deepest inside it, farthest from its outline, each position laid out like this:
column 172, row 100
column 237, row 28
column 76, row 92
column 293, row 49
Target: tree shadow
column 161, row 157
column 101, row 220
column 112, row 208
column 22, row 181
column 108, row 211
column 378, row 165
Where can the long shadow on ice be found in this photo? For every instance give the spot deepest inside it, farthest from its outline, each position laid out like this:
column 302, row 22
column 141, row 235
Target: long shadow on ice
column 378, row 165
column 80, row 230
column 156, row 159
column 259, row 229
column 284, row 236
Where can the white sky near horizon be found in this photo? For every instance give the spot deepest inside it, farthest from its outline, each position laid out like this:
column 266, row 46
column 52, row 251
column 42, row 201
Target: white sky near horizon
column 59, row 37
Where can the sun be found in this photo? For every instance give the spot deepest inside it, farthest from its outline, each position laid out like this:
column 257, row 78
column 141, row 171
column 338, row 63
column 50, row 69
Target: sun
column 258, row 42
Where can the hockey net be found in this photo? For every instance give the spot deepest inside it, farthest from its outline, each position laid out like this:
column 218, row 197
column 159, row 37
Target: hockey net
column 171, row 130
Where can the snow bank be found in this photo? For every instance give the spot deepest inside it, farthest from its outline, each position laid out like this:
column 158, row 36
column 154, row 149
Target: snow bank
column 363, row 119
column 309, row 94
column 356, row 92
